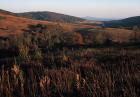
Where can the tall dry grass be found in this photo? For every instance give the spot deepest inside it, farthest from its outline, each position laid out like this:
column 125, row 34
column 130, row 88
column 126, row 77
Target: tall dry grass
column 114, row 73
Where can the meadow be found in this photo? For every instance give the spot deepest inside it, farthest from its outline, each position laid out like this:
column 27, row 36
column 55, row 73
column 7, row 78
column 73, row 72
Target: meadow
column 49, row 62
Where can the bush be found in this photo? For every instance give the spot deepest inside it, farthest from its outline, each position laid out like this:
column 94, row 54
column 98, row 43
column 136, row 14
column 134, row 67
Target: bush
column 37, row 55
column 101, row 38
column 23, row 51
column 1, row 17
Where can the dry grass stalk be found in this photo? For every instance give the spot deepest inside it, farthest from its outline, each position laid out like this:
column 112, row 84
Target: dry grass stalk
column 44, row 82
column 15, row 69
column 77, row 81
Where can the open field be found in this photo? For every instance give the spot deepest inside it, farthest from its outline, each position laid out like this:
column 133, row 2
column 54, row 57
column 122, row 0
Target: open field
column 97, row 72
column 56, row 59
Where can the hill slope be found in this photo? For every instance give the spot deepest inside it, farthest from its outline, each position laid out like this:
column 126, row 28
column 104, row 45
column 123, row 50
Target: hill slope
column 6, row 12
column 10, row 24
column 128, row 22
column 50, row 16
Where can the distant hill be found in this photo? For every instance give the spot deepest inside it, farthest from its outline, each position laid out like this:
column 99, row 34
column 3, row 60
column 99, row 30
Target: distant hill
column 6, row 12
column 50, row 16
column 97, row 19
column 10, row 24
column 128, row 22
column 45, row 15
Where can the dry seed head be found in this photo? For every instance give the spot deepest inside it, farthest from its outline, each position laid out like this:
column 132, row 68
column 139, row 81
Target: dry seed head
column 45, row 81
column 84, row 82
column 65, row 58
column 15, row 69
column 77, row 77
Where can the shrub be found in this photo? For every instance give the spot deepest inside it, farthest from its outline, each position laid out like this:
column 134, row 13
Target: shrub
column 37, row 55
column 23, row 51
column 1, row 17
column 101, row 38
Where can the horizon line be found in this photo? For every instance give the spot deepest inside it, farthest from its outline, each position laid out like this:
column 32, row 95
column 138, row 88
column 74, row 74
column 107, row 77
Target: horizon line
column 115, row 18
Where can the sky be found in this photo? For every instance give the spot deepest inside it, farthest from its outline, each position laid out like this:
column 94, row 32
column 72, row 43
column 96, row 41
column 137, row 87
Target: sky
column 80, row 8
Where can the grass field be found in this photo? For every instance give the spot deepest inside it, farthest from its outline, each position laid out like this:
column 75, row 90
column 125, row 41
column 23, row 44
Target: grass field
column 49, row 59
column 103, row 72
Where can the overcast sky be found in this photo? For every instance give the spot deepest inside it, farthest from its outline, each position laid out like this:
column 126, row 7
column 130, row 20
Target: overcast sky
column 94, row 8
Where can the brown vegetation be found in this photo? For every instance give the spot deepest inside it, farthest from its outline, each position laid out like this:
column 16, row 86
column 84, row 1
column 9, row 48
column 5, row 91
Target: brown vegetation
column 67, row 60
